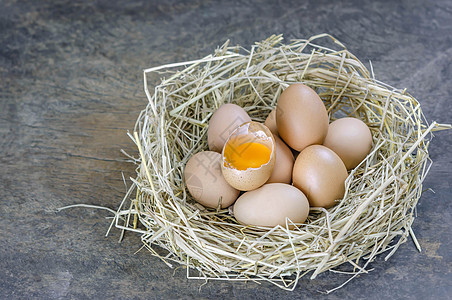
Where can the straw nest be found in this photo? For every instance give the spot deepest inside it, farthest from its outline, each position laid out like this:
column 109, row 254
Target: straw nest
column 375, row 214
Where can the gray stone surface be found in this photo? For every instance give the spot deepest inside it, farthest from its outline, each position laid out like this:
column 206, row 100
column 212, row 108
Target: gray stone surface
column 71, row 86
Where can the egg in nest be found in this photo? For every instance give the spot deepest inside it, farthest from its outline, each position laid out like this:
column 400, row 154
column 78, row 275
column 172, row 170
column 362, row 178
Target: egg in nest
column 248, row 156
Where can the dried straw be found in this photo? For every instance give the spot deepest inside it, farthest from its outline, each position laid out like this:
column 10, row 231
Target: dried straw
column 378, row 208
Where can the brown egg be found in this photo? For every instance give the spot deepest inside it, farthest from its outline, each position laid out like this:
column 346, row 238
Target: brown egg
column 320, row 174
column 270, row 205
column 282, row 172
column 205, row 181
column 301, row 117
column 248, row 157
column 224, row 121
column 270, row 122
column 351, row 139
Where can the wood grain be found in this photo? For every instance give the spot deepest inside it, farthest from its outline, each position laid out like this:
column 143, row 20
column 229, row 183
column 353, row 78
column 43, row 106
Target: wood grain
column 71, row 87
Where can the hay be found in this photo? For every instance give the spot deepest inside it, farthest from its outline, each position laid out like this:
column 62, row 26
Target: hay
column 378, row 208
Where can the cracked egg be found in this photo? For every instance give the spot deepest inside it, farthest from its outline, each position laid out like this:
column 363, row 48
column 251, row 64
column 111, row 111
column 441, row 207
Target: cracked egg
column 248, row 156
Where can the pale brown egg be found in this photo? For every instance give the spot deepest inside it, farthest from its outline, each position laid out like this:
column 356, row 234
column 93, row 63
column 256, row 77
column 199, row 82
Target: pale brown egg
column 351, row 139
column 282, row 172
column 270, row 122
column 248, row 156
column 222, row 123
column 301, row 117
column 205, row 181
column 320, row 174
column 271, row 205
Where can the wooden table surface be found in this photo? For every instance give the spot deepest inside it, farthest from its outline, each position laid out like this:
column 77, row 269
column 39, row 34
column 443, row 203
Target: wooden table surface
column 71, row 86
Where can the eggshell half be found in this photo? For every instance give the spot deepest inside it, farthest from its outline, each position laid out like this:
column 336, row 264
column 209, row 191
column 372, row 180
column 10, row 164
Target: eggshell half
column 250, row 178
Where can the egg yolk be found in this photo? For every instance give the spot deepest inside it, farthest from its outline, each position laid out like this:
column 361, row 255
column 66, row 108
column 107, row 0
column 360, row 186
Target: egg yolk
column 246, row 155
